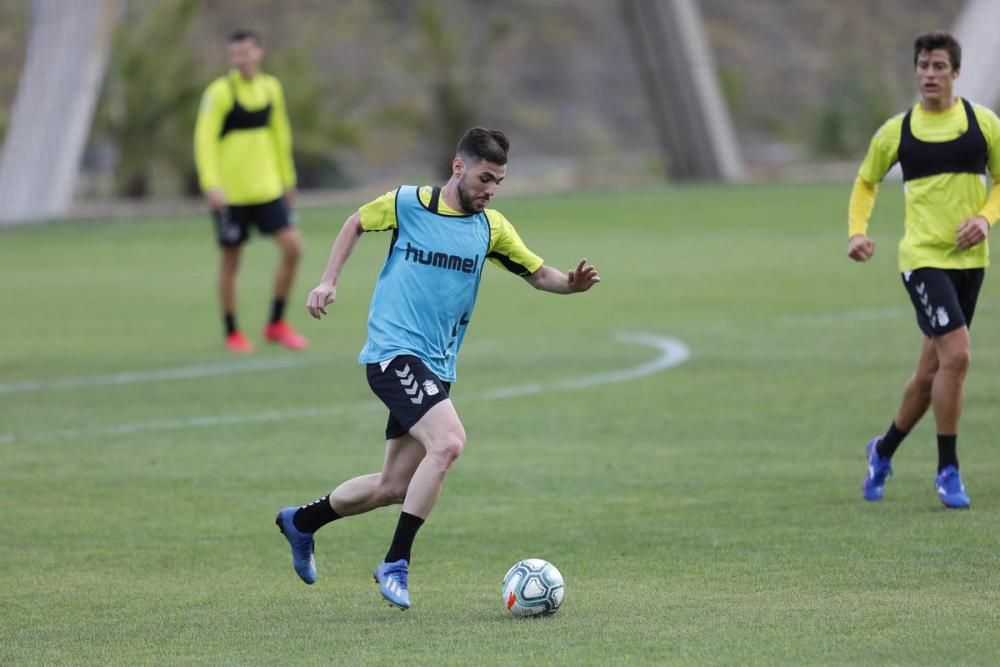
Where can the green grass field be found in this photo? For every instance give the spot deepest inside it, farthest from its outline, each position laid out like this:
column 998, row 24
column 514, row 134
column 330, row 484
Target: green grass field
column 705, row 514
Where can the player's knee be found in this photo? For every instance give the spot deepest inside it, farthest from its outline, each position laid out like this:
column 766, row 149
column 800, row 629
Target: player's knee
column 394, row 493
column 230, row 260
column 448, row 449
column 293, row 250
column 956, row 360
column 391, row 491
column 924, row 380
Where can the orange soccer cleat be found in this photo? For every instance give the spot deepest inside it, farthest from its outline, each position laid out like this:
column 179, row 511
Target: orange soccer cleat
column 283, row 333
column 237, row 342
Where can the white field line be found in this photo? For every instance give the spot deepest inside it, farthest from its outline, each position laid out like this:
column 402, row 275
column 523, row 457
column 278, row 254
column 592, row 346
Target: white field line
column 161, row 375
column 182, row 423
column 672, row 353
column 179, row 373
column 860, row 315
column 298, row 361
column 863, row 315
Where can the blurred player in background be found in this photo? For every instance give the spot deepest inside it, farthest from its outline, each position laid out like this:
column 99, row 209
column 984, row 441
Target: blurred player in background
column 943, row 144
column 243, row 150
column 422, row 305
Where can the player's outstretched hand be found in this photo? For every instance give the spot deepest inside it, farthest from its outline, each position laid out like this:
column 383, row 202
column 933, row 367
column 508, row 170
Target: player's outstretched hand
column 322, row 296
column 971, row 232
column 860, row 248
column 583, row 277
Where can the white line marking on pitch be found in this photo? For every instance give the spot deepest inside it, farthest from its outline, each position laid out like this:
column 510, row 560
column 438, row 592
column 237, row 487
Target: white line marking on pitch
column 672, row 353
column 251, row 366
column 859, row 315
column 181, row 373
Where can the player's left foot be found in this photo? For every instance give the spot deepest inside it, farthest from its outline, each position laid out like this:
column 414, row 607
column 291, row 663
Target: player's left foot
column 950, row 489
column 283, row 333
column 391, row 578
column 302, row 545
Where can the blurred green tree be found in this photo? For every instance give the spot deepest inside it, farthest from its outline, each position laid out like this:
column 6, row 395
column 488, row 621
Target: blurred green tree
column 14, row 17
column 857, row 101
column 150, row 96
column 454, row 79
column 321, row 128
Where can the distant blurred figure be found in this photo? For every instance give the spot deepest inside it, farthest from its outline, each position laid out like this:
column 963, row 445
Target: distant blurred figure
column 243, row 150
column 943, row 144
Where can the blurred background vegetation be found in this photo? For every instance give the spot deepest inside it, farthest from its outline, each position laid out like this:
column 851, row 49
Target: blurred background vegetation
column 382, row 88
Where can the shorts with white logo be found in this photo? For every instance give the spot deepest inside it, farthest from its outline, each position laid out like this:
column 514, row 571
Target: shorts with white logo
column 945, row 299
column 232, row 224
column 409, row 389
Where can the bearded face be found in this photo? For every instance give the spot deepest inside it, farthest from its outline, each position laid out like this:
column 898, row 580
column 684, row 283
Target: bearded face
column 478, row 183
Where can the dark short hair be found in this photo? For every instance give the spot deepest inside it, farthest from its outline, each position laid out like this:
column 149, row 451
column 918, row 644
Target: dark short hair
column 244, row 34
column 482, row 144
column 938, row 39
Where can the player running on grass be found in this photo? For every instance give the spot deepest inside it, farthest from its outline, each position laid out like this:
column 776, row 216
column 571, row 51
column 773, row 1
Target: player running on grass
column 421, row 308
column 944, row 144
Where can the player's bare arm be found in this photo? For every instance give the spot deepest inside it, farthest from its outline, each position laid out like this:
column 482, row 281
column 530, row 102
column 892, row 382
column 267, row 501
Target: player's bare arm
column 860, row 248
column 551, row 279
column 972, row 232
column 326, row 291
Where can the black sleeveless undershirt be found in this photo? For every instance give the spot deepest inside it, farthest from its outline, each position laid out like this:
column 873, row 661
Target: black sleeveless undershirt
column 240, row 118
column 965, row 155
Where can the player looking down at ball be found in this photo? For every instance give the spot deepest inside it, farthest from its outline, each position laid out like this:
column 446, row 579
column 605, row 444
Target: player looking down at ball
column 422, row 305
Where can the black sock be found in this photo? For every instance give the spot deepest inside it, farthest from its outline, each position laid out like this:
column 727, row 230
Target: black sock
column 310, row 518
column 406, row 530
column 230, row 320
column 887, row 446
column 277, row 310
column 947, row 451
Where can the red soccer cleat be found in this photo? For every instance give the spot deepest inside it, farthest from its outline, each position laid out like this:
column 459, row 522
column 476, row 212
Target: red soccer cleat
column 283, row 333
column 237, row 342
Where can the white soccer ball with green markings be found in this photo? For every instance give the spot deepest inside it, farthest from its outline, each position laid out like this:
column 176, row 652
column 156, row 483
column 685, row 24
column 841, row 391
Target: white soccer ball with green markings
column 533, row 586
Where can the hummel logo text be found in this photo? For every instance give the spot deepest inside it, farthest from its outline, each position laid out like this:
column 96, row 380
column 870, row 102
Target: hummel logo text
column 441, row 260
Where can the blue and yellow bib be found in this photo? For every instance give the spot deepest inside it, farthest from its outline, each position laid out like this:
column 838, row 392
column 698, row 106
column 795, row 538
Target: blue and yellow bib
column 427, row 289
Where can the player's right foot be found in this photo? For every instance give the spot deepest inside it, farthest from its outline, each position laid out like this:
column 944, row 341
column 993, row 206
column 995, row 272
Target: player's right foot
column 950, row 489
column 879, row 468
column 391, row 578
column 237, row 342
column 302, row 545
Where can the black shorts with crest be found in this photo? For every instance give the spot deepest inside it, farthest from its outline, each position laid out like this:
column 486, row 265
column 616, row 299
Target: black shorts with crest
column 408, row 388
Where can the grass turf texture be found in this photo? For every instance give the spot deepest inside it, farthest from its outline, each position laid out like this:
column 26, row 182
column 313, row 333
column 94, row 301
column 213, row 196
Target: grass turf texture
column 709, row 514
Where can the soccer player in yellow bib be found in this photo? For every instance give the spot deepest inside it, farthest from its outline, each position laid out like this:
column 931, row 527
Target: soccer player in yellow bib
column 944, row 145
column 243, row 151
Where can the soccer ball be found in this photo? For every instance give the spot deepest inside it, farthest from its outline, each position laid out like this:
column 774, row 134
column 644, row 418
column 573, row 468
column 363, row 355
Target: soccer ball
column 533, row 586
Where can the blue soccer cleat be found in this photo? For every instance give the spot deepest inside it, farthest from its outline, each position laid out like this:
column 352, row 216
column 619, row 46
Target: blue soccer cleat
column 879, row 468
column 302, row 545
column 391, row 578
column 950, row 489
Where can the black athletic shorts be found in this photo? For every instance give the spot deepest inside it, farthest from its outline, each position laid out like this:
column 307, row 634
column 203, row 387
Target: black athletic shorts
column 232, row 224
column 409, row 389
column 945, row 299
